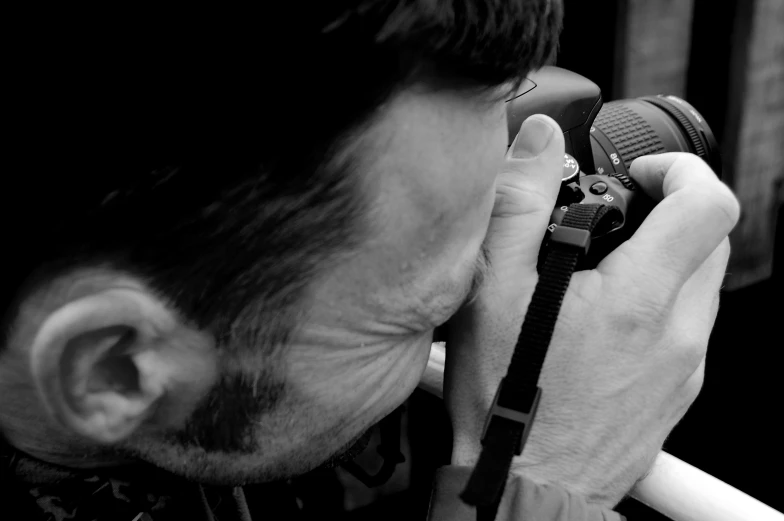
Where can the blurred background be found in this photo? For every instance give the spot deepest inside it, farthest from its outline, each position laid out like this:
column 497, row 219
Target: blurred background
column 726, row 57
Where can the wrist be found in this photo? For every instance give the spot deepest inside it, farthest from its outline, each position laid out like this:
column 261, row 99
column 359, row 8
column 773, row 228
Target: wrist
column 465, row 450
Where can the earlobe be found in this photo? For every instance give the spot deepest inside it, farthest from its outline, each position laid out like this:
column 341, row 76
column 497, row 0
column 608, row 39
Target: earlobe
column 104, row 363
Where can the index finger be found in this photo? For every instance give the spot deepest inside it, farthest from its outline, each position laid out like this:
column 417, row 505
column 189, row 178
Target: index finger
column 695, row 213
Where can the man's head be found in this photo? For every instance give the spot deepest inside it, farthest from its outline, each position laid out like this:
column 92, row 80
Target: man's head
column 242, row 247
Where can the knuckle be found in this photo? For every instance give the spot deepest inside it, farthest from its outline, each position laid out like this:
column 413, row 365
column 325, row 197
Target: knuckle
column 711, row 188
column 727, row 204
column 715, row 266
column 717, row 203
column 639, row 313
column 690, row 350
column 651, row 297
column 689, row 167
column 691, row 164
column 514, row 197
column 693, row 384
column 645, row 305
column 689, row 161
column 723, row 251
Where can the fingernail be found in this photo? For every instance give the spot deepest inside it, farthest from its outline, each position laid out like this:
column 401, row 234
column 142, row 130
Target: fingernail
column 532, row 139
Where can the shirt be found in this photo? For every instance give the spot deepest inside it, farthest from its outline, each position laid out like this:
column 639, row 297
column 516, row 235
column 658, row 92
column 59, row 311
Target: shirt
column 34, row 490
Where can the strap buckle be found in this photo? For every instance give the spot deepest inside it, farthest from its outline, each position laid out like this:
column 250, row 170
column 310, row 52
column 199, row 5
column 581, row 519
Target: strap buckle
column 573, row 237
column 525, row 418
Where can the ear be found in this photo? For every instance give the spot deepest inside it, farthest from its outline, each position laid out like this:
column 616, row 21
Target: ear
column 112, row 362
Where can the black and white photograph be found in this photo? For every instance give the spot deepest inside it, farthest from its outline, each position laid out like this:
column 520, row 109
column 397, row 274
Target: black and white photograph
column 445, row 260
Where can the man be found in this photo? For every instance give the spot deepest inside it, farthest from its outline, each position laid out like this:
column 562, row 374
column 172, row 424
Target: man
column 229, row 254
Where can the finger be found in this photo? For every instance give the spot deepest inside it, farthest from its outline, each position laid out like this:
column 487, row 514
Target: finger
column 695, row 308
column 696, row 213
column 526, row 191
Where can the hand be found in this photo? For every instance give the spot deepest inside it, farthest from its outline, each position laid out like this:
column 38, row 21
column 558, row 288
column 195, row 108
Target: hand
column 627, row 355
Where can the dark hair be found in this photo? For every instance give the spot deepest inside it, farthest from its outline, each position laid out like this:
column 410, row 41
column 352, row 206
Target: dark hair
column 209, row 158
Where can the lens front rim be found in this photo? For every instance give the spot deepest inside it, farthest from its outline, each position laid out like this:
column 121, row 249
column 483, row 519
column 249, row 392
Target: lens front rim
column 694, row 126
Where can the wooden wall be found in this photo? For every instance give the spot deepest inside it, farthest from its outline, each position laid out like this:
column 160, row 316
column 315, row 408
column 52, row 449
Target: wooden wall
column 724, row 56
column 754, row 139
column 655, row 57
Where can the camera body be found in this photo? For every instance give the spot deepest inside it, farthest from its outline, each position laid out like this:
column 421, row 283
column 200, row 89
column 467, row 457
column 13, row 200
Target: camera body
column 602, row 140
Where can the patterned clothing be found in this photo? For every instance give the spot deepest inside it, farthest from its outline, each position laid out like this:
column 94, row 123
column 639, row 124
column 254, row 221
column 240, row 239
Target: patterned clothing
column 36, row 491
column 33, row 490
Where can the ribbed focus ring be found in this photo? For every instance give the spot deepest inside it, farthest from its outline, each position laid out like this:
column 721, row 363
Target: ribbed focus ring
column 694, row 137
column 628, row 131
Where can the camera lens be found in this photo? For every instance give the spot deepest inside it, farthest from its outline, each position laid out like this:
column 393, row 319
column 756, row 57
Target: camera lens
column 627, row 129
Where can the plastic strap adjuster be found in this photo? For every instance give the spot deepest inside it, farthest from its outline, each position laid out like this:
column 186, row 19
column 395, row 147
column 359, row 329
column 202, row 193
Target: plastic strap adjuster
column 573, row 237
column 526, row 419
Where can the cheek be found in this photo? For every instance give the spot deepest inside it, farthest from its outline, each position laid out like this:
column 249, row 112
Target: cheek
column 342, row 392
column 433, row 207
column 466, row 163
column 454, row 193
column 466, row 191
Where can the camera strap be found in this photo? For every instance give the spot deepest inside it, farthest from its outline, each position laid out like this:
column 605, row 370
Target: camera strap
column 388, row 449
column 517, row 398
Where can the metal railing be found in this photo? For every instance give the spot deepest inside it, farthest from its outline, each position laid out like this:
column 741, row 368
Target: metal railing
column 673, row 487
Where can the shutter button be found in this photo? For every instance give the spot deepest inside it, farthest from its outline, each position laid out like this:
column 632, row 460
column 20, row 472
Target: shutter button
column 598, row 188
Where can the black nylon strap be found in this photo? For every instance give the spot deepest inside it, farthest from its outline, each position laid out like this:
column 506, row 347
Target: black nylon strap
column 518, row 395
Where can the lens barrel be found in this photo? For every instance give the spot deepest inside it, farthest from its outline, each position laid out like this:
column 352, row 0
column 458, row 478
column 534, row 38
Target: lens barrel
column 627, row 129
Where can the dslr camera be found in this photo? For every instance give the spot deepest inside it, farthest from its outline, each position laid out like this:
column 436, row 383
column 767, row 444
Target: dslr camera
column 602, row 140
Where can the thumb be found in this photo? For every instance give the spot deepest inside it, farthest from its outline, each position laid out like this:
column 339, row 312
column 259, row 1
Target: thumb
column 482, row 335
column 526, row 191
